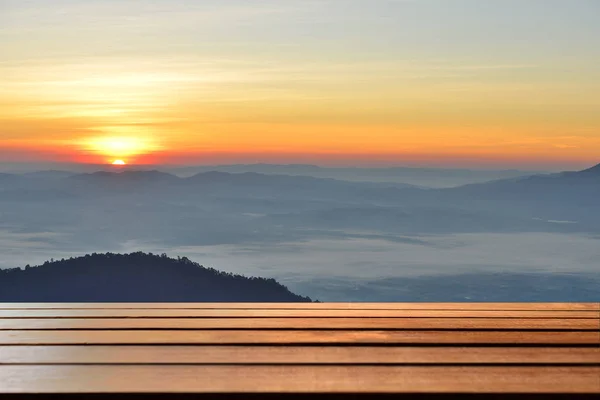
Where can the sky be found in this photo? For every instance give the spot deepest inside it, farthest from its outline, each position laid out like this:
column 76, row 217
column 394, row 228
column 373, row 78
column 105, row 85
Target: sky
column 503, row 83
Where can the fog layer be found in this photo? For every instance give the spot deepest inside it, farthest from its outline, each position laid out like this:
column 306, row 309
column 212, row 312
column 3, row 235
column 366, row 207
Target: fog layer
column 324, row 238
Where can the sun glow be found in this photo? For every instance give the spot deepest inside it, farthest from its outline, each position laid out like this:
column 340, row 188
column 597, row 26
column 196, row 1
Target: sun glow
column 117, row 148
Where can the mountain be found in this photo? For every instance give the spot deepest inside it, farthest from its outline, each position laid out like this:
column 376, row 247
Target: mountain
column 135, row 277
column 255, row 179
column 304, row 228
column 212, row 184
column 128, row 177
column 48, row 174
column 593, row 171
column 570, row 196
column 429, row 177
column 12, row 181
column 8, row 178
column 562, row 187
column 218, row 177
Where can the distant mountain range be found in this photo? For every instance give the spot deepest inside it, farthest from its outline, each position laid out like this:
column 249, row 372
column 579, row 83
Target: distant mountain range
column 298, row 174
column 217, row 177
column 514, row 204
column 136, row 277
column 560, row 196
column 427, row 177
column 590, row 176
column 278, row 225
column 212, row 183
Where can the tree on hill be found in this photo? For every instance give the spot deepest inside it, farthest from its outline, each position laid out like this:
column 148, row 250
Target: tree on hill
column 135, row 277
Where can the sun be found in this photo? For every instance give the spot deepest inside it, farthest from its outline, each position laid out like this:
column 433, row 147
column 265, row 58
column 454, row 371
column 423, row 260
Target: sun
column 118, row 148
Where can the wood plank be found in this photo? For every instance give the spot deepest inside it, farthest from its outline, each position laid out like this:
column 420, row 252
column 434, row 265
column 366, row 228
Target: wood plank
column 301, row 323
column 297, row 379
column 300, row 313
column 293, row 337
column 312, row 306
column 294, row 355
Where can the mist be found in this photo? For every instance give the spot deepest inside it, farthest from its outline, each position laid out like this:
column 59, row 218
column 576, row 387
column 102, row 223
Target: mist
column 332, row 239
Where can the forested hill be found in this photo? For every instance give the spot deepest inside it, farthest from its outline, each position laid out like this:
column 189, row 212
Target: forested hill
column 136, row 277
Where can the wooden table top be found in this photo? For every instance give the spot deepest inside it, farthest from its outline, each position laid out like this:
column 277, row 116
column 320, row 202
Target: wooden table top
column 236, row 350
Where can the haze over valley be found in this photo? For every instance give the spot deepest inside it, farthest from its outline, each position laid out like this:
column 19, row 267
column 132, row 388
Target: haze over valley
column 519, row 238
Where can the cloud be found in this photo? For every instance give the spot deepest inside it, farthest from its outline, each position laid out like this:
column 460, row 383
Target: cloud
column 340, row 258
column 360, row 258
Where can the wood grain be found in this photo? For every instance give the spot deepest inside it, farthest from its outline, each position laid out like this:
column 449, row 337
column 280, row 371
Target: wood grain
column 293, row 337
column 352, row 348
column 295, row 355
column 521, row 324
column 296, row 379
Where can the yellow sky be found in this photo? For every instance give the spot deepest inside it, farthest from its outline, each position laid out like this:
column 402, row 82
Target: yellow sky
column 169, row 83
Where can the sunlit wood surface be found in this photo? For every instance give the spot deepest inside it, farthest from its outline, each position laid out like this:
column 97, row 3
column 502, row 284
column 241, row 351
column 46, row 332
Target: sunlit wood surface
column 232, row 350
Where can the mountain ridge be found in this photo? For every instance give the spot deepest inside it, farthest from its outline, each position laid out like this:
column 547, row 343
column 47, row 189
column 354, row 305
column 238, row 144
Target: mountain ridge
column 135, row 277
column 592, row 170
column 212, row 177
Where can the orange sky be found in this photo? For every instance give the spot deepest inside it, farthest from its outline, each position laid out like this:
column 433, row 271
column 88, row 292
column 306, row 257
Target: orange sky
column 320, row 81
